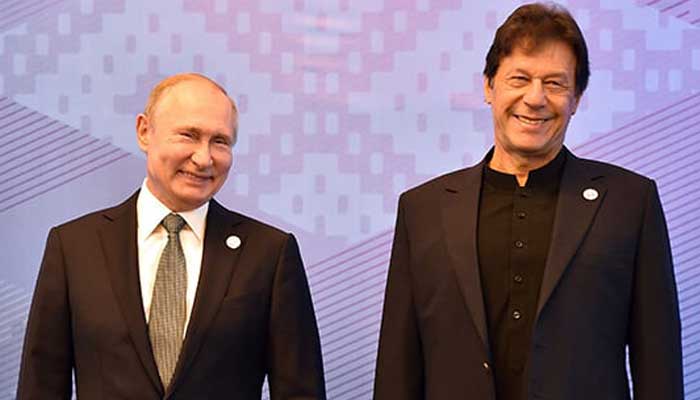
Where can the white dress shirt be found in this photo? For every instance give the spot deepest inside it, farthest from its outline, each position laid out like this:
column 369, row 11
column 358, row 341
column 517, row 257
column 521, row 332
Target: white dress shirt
column 152, row 238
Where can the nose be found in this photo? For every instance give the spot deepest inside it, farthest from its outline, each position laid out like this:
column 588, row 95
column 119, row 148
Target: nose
column 201, row 156
column 535, row 95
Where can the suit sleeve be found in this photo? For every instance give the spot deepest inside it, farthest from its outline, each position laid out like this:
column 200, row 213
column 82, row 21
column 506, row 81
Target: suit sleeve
column 655, row 333
column 47, row 357
column 294, row 357
column 399, row 373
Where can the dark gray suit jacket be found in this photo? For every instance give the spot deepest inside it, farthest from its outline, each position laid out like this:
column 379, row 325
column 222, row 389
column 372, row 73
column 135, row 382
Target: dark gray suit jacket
column 608, row 283
column 252, row 316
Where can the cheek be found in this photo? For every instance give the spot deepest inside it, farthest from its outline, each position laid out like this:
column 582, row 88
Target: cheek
column 569, row 107
column 161, row 163
column 175, row 154
column 223, row 163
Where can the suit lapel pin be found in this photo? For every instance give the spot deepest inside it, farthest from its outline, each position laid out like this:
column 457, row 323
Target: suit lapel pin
column 233, row 242
column 590, row 194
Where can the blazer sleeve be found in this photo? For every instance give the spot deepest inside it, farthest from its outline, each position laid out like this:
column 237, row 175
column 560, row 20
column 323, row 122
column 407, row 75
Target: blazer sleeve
column 295, row 367
column 47, row 357
column 399, row 373
column 655, row 332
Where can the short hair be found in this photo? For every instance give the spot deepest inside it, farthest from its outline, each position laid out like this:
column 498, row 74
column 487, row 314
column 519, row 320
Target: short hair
column 531, row 25
column 168, row 83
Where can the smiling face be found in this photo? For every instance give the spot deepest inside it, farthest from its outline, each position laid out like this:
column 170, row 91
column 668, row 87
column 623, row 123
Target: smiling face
column 532, row 99
column 187, row 141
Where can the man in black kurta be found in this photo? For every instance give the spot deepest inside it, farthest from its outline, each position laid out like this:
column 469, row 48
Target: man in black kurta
column 531, row 274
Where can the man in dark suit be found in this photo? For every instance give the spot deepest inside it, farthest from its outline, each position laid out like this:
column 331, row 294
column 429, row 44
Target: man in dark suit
column 529, row 275
column 169, row 295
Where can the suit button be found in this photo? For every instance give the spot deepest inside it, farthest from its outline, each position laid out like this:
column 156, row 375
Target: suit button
column 518, row 278
column 519, row 244
column 517, row 315
column 486, row 366
column 521, row 215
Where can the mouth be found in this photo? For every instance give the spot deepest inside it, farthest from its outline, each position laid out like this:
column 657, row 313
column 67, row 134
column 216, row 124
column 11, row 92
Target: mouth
column 531, row 121
column 195, row 176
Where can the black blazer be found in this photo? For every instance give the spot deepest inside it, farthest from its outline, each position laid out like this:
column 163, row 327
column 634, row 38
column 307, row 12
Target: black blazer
column 608, row 283
column 252, row 316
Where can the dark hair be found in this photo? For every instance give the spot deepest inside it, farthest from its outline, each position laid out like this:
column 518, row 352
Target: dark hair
column 531, row 25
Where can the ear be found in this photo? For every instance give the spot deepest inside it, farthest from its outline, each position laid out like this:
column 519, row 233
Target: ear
column 488, row 90
column 142, row 130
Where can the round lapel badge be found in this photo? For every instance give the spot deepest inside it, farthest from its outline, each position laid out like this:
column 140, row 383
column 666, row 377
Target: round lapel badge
column 233, row 242
column 590, row 194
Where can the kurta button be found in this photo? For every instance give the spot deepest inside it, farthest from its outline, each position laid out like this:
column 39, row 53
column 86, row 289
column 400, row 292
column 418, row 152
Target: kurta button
column 486, row 366
column 521, row 215
column 519, row 244
column 516, row 314
column 518, row 278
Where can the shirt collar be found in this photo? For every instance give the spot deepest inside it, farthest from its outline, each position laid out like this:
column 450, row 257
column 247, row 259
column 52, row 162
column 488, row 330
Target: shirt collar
column 545, row 178
column 150, row 212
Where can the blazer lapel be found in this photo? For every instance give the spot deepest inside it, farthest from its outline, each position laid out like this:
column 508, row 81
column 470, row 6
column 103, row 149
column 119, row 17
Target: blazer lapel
column 218, row 264
column 460, row 213
column 573, row 217
column 118, row 238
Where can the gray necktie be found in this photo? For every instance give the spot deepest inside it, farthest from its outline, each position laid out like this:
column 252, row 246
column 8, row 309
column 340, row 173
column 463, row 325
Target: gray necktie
column 168, row 307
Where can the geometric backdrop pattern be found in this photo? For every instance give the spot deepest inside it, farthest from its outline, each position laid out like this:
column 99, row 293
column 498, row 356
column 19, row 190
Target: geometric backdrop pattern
column 39, row 154
column 343, row 105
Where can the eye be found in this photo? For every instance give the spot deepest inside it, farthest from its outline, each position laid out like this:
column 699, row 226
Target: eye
column 220, row 140
column 187, row 134
column 556, row 86
column 518, row 80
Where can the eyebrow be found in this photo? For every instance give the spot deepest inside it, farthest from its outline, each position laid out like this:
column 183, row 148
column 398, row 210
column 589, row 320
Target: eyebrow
column 562, row 75
column 189, row 128
column 198, row 131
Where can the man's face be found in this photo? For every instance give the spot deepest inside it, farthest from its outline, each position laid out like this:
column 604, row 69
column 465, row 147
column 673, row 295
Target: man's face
column 532, row 99
column 187, row 141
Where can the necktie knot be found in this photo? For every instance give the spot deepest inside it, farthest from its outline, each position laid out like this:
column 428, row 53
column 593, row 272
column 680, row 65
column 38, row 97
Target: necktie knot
column 173, row 223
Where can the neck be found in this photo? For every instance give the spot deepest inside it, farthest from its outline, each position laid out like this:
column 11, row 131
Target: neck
column 518, row 164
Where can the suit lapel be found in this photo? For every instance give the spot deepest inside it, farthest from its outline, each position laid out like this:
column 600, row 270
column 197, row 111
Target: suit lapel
column 573, row 217
column 118, row 239
column 218, row 264
column 460, row 213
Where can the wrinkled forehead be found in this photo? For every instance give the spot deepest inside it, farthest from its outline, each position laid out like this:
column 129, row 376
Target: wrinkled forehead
column 192, row 97
column 547, row 54
column 189, row 87
column 530, row 45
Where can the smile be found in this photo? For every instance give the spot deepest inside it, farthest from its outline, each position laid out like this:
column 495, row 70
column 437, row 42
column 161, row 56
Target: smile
column 531, row 121
column 190, row 175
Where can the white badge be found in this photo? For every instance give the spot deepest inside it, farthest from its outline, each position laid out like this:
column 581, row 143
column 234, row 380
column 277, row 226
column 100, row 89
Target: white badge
column 233, row 242
column 590, row 194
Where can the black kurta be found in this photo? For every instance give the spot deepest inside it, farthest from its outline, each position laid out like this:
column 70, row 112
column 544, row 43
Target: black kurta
column 514, row 232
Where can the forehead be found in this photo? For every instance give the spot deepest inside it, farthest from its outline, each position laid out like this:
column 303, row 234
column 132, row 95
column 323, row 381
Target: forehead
column 193, row 101
column 552, row 56
column 192, row 93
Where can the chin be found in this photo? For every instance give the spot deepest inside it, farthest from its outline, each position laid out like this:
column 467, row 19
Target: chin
column 528, row 149
column 194, row 201
column 534, row 147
